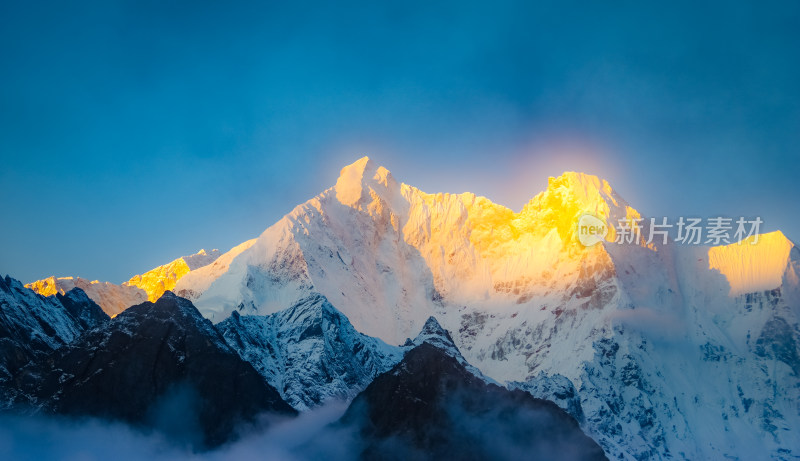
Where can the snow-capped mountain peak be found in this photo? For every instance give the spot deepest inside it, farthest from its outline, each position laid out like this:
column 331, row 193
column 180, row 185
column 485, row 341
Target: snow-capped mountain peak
column 350, row 241
column 359, row 182
column 671, row 351
column 523, row 300
column 571, row 195
column 433, row 332
column 370, row 188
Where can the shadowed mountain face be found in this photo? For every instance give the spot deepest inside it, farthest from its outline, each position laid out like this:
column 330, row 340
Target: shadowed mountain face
column 159, row 365
column 430, row 407
column 87, row 313
column 33, row 326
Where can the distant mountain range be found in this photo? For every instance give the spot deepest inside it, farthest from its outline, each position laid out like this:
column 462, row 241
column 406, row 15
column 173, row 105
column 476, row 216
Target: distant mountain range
column 116, row 298
column 657, row 350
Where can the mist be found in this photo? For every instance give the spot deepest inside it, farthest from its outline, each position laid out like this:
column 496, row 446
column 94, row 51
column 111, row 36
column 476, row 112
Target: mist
column 58, row 438
column 315, row 434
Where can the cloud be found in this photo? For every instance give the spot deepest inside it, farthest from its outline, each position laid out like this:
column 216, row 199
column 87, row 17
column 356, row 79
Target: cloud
column 34, row 438
column 314, row 434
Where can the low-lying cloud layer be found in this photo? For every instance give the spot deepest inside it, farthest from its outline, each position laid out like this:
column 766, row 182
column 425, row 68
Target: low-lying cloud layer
column 37, row 437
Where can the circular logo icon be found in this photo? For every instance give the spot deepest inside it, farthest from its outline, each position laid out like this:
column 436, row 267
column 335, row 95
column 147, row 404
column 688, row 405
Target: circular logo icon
column 591, row 230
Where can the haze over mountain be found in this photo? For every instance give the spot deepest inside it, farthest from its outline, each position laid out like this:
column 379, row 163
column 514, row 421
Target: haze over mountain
column 689, row 352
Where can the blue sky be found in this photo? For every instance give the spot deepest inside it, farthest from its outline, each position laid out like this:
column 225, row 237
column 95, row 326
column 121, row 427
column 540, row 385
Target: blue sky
column 132, row 133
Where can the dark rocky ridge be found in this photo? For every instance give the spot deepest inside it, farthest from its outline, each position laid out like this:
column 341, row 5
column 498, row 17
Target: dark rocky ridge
column 430, row 407
column 33, row 326
column 156, row 365
column 86, row 312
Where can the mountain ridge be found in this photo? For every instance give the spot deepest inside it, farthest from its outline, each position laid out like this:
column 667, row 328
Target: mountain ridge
column 114, row 298
column 528, row 305
column 158, row 365
column 309, row 352
column 526, row 301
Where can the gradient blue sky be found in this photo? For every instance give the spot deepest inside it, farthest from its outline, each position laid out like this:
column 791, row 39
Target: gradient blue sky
column 132, row 133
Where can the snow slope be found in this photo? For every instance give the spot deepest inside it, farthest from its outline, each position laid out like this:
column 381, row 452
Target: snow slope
column 673, row 351
column 353, row 253
column 163, row 278
column 754, row 265
column 388, row 254
column 309, row 352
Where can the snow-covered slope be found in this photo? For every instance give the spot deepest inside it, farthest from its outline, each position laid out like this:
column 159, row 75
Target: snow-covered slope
column 163, row 278
column 309, row 352
column 352, row 252
column 674, row 351
column 754, row 265
column 671, row 350
column 45, row 319
column 197, row 281
column 115, row 298
column 388, row 254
